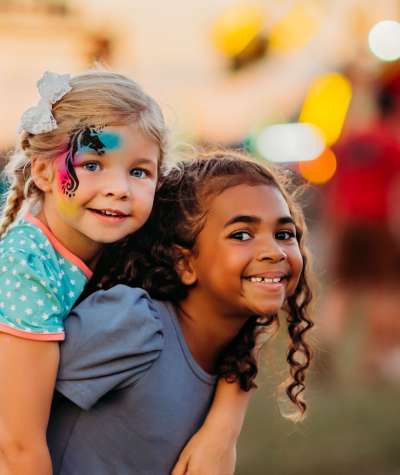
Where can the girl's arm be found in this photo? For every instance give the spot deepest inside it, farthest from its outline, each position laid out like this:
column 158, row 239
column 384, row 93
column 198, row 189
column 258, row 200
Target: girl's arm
column 28, row 372
column 212, row 450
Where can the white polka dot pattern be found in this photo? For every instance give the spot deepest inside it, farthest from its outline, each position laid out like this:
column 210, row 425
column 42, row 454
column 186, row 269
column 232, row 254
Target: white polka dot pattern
column 38, row 286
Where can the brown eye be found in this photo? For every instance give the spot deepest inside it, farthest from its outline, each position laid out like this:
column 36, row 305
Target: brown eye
column 241, row 235
column 284, row 235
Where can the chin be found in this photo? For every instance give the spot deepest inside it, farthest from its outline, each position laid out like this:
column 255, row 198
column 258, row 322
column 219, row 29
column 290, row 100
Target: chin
column 266, row 308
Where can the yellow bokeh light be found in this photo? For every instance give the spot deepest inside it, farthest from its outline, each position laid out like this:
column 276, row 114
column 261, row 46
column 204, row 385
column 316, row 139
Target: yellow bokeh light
column 320, row 170
column 236, row 28
column 326, row 105
column 294, row 30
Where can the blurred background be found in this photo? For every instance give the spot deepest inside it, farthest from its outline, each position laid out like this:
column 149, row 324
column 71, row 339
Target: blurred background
column 313, row 85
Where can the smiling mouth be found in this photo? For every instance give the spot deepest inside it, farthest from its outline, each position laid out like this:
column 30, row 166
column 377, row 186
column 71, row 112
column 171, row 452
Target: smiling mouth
column 267, row 278
column 109, row 213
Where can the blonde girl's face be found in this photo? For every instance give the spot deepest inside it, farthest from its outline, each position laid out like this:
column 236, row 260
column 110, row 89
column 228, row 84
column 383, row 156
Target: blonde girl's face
column 103, row 187
column 247, row 258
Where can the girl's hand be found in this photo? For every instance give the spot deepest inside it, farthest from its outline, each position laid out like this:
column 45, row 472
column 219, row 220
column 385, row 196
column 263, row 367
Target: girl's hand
column 209, row 452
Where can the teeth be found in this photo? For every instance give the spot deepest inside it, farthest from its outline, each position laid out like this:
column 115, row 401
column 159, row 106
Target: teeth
column 267, row 280
column 109, row 213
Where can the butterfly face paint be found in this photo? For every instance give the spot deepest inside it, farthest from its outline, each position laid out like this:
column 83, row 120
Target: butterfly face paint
column 86, row 140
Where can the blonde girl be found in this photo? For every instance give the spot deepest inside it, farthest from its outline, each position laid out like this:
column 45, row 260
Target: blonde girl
column 83, row 176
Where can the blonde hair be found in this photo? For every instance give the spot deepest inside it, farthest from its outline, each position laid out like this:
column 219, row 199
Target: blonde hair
column 97, row 98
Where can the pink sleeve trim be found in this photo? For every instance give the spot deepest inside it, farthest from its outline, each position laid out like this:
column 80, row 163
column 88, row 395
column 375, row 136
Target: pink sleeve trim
column 60, row 247
column 32, row 336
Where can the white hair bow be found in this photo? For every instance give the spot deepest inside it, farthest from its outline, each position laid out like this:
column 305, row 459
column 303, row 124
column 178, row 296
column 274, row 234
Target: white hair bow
column 39, row 119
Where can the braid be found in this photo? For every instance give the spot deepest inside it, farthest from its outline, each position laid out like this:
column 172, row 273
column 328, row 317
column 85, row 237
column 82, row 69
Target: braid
column 15, row 198
column 18, row 173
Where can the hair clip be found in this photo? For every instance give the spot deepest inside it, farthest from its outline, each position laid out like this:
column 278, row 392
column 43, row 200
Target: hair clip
column 39, row 119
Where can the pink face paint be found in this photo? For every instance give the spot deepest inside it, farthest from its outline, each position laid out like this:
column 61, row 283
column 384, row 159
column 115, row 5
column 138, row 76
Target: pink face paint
column 62, row 174
column 66, row 206
column 86, row 140
column 70, row 181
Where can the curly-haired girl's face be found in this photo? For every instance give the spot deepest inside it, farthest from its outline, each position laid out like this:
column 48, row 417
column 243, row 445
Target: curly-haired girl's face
column 247, row 257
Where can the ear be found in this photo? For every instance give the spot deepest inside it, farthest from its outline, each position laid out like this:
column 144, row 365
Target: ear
column 184, row 265
column 43, row 173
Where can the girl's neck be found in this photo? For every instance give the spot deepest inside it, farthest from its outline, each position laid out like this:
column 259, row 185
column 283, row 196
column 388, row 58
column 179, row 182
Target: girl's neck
column 206, row 331
column 88, row 252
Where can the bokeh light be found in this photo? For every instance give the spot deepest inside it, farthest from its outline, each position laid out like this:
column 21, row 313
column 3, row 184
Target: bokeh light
column 294, row 30
column 326, row 105
column 320, row 170
column 290, row 143
column 384, row 40
column 236, row 27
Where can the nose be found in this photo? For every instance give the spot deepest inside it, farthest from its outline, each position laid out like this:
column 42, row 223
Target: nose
column 271, row 251
column 116, row 185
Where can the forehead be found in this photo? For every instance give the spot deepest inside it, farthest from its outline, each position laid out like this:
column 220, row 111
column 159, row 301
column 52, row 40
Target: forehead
column 264, row 201
column 130, row 139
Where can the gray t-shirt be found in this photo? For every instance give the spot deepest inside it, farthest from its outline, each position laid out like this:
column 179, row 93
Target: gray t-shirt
column 129, row 393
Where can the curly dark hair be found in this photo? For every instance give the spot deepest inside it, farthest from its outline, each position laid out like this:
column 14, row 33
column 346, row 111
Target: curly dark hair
column 148, row 258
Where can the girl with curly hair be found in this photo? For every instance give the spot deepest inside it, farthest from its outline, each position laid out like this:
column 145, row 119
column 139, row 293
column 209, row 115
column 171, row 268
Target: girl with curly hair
column 222, row 254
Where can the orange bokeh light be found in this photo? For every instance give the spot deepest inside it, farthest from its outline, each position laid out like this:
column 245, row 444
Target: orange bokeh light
column 320, row 170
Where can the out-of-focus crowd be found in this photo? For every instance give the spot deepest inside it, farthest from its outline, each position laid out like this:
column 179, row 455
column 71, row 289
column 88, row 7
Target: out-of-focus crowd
column 361, row 231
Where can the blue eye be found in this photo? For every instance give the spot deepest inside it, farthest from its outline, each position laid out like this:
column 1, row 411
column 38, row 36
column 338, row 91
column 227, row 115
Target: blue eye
column 241, row 236
column 139, row 173
column 91, row 166
column 285, row 235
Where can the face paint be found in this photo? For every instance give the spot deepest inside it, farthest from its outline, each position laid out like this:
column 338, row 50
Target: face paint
column 69, row 180
column 99, row 141
column 83, row 141
column 64, row 205
column 67, row 207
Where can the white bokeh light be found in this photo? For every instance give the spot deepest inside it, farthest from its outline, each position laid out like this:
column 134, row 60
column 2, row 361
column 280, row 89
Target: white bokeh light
column 290, row 143
column 384, row 40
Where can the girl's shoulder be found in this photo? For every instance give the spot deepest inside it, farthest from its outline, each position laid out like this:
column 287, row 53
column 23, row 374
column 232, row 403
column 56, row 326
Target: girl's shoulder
column 23, row 236
column 113, row 338
column 29, row 251
column 38, row 286
column 121, row 308
column 34, row 237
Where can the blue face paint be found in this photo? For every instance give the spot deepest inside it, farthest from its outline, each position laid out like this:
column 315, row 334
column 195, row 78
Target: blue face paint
column 111, row 140
column 98, row 140
column 86, row 140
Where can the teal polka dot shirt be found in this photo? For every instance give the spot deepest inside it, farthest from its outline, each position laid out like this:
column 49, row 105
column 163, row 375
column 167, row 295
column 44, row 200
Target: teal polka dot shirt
column 40, row 280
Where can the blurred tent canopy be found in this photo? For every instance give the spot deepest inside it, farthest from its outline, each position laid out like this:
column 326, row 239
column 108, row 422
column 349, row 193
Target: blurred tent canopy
column 215, row 87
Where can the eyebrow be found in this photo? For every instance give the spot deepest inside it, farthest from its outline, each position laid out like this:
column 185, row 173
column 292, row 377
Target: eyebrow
column 138, row 161
column 144, row 161
column 286, row 220
column 244, row 218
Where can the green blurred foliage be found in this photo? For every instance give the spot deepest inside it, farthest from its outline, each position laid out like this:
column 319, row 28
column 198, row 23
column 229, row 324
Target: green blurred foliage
column 352, row 427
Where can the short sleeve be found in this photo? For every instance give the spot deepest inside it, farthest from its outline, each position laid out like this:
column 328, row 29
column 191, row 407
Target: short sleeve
column 112, row 338
column 30, row 304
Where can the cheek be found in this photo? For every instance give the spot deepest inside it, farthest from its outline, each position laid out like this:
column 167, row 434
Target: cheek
column 143, row 200
column 237, row 258
column 67, row 181
column 296, row 264
column 67, row 206
column 227, row 262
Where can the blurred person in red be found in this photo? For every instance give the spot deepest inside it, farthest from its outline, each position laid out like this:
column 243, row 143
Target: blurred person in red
column 363, row 211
